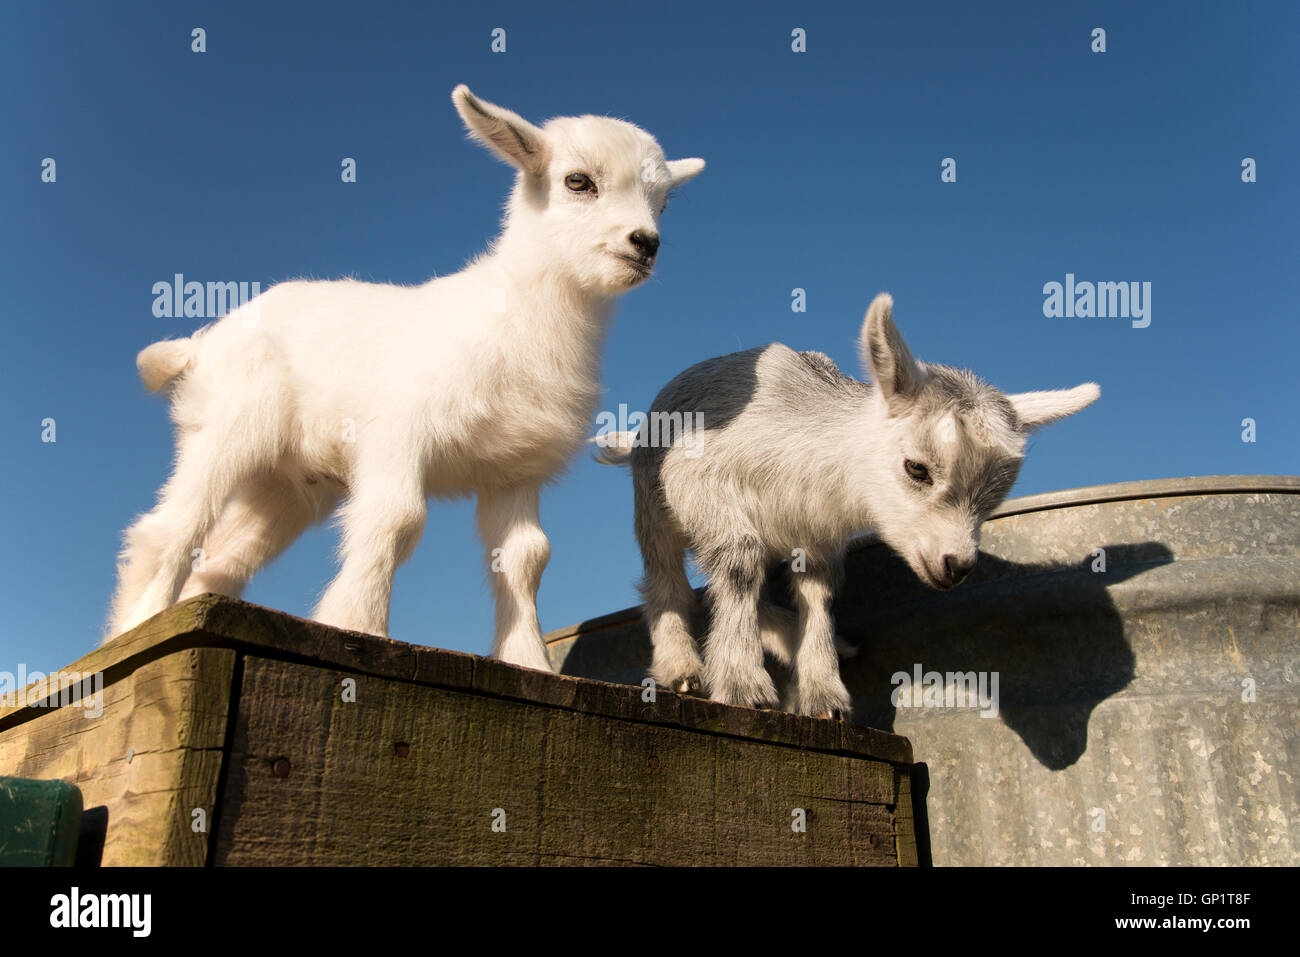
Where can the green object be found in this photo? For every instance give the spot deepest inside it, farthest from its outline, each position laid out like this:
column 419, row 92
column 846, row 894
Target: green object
column 40, row 822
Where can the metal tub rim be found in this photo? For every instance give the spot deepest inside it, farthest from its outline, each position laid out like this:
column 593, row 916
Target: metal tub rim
column 1149, row 488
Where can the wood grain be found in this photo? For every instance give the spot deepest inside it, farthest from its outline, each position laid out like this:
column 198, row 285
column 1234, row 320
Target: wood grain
column 574, row 787
column 150, row 758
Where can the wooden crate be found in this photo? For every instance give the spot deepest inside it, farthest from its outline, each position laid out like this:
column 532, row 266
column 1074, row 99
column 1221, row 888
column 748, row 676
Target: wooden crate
column 233, row 734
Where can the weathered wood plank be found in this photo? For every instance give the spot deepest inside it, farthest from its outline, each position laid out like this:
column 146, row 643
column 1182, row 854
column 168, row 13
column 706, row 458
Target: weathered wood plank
column 905, row 821
column 151, row 758
column 569, row 786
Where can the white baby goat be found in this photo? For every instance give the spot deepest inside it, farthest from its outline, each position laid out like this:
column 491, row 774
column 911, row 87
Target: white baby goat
column 794, row 458
column 482, row 382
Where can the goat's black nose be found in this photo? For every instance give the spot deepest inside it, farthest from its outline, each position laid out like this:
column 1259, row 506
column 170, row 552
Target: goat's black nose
column 956, row 569
column 647, row 244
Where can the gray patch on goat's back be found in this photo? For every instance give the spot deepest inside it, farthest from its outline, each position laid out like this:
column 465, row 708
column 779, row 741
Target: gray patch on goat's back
column 823, row 365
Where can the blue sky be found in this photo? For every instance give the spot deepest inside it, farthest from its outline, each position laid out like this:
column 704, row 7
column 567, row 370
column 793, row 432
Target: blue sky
column 823, row 174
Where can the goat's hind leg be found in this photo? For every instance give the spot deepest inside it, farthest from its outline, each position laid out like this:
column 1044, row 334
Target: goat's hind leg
column 259, row 522
column 778, row 630
column 161, row 546
column 669, row 601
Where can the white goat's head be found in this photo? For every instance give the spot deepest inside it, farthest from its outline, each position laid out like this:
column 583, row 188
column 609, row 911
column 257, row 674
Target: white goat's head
column 588, row 194
column 948, row 448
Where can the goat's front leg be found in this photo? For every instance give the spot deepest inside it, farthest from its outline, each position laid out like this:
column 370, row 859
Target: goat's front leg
column 818, row 688
column 517, row 553
column 733, row 654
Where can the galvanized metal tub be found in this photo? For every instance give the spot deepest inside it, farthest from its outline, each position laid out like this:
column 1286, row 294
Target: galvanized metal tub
column 1145, row 639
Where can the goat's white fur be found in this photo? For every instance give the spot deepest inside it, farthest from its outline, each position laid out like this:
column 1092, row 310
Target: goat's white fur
column 478, row 383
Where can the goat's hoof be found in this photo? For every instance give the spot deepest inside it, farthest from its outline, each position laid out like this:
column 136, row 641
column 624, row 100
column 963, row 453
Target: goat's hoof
column 835, row 714
column 688, row 685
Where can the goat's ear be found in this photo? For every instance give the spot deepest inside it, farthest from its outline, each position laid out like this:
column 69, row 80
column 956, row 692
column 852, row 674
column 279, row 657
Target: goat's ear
column 683, row 171
column 1037, row 409
column 507, row 134
column 885, row 356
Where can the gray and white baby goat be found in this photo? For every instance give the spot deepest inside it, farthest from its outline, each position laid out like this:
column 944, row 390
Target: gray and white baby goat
column 794, row 459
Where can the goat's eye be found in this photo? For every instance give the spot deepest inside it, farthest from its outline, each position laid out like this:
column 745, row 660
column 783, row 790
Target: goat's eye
column 916, row 471
column 579, row 182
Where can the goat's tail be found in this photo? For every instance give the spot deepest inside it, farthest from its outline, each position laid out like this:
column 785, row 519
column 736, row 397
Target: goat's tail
column 163, row 361
column 614, row 448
